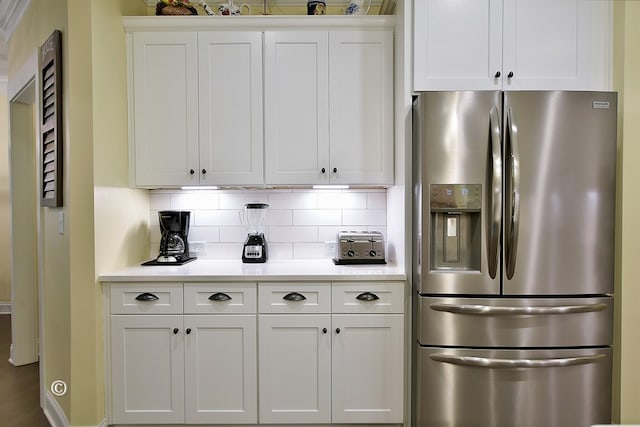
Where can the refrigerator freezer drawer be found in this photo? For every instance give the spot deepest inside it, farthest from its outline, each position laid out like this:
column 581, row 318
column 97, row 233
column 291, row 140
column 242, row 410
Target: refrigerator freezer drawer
column 513, row 388
column 515, row 322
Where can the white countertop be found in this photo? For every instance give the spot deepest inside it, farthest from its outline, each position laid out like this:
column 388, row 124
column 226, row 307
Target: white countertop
column 273, row 270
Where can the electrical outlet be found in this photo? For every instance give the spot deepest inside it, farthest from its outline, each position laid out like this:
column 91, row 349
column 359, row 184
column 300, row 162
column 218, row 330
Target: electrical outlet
column 197, row 247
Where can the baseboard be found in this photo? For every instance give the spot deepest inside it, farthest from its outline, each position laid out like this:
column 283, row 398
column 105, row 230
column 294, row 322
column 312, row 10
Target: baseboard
column 55, row 415
column 5, row 308
column 53, row 411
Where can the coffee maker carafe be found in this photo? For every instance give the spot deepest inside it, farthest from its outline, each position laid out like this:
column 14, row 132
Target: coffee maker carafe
column 255, row 246
column 174, row 243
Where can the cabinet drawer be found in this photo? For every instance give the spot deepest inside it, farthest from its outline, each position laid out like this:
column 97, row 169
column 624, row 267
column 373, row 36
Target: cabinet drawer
column 368, row 298
column 150, row 298
column 294, row 298
column 220, row 298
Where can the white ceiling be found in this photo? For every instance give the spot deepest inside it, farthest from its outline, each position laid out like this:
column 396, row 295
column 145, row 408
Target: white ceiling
column 10, row 13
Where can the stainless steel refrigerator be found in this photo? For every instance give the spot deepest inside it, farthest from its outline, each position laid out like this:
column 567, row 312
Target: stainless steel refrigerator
column 513, row 269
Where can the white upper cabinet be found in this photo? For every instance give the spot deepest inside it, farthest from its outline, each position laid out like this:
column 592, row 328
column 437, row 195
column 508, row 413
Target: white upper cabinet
column 296, row 107
column 329, row 107
column 230, row 114
column 457, row 44
column 512, row 44
column 361, row 107
column 197, row 108
column 165, row 108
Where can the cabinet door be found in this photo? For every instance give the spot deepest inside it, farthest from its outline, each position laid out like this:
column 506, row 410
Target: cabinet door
column 367, row 363
column 220, row 369
column 230, row 114
column 547, row 44
column 147, row 369
column 295, row 369
column 296, row 107
column 165, row 108
column 457, row 44
column 361, row 107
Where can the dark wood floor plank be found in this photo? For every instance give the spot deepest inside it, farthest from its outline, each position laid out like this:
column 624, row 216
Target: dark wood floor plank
column 19, row 387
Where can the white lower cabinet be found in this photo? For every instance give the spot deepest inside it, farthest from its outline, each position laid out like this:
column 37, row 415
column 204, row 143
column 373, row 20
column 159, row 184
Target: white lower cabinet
column 195, row 353
column 295, row 369
column 220, row 369
column 367, row 368
column 147, row 366
column 183, row 368
column 318, row 367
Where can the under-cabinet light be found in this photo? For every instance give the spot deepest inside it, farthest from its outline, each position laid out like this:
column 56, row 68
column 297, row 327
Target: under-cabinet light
column 330, row 187
column 211, row 187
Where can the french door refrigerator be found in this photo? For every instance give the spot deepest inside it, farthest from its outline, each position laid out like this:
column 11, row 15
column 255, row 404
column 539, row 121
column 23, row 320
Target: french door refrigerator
column 513, row 269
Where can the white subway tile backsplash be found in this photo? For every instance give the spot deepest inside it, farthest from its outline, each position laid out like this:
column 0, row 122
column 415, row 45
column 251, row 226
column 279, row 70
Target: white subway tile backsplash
column 237, row 199
column 224, row 250
column 160, row 201
column 217, row 217
column 377, row 201
column 294, row 234
column 298, row 222
column 293, row 200
column 279, row 217
column 309, row 250
column 205, row 234
column 280, row 250
column 326, row 233
column 233, row 234
column 335, row 200
column 365, row 217
column 194, row 200
column 317, row 217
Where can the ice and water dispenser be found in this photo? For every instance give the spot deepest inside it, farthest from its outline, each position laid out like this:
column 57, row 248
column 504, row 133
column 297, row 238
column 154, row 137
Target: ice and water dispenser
column 456, row 228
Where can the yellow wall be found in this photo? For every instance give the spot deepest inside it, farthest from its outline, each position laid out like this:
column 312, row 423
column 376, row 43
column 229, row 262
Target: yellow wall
column 121, row 214
column 95, row 123
column 39, row 20
column 627, row 80
column 5, row 273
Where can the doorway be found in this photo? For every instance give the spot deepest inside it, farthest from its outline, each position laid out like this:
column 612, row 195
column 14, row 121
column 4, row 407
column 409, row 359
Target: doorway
column 26, row 280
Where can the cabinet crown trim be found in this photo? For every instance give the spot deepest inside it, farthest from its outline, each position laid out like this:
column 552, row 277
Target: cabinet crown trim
column 256, row 23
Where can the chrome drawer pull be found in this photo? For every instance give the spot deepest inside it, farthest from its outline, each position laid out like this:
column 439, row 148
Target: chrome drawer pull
column 220, row 296
column 517, row 311
column 367, row 296
column 486, row 362
column 147, row 296
column 294, row 296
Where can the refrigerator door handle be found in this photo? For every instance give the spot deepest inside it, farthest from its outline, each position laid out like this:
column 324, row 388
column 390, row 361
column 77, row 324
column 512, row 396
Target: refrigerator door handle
column 485, row 362
column 513, row 182
column 495, row 195
column 517, row 311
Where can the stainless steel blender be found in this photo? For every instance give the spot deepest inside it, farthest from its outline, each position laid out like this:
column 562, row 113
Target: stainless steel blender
column 255, row 246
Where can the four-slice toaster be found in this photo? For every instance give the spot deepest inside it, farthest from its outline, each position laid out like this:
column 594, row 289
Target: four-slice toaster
column 359, row 247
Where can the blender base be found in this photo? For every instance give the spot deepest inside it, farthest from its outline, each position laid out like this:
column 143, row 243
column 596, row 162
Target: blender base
column 254, row 249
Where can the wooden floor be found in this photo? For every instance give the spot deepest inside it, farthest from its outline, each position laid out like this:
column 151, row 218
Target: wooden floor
column 19, row 387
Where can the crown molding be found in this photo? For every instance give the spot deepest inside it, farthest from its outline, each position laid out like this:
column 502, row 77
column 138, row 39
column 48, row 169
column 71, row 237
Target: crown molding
column 11, row 12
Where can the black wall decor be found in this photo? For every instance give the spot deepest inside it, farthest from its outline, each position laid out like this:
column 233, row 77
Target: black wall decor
column 51, row 159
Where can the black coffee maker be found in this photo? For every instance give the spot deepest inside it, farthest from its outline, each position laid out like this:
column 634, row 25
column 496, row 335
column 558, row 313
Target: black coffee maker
column 174, row 243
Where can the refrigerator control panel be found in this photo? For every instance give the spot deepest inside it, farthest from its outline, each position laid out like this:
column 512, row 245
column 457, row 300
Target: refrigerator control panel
column 447, row 197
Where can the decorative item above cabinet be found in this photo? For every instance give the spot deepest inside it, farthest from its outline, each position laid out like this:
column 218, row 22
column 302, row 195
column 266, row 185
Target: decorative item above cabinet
column 198, row 116
column 512, row 44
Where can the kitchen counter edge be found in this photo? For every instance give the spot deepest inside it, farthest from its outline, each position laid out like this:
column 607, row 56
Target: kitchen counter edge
column 206, row 270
